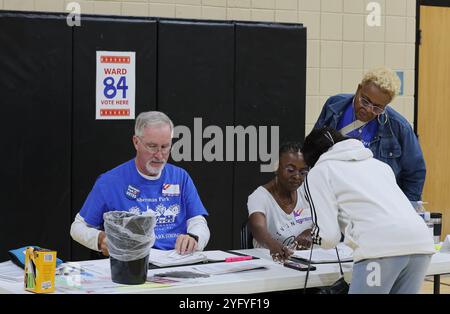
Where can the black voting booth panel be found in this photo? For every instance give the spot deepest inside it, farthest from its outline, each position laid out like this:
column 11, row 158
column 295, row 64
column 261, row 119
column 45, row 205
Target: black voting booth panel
column 35, row 89
column 100, row 145
column 270, row 90
column 196, row 80
column 226, row 73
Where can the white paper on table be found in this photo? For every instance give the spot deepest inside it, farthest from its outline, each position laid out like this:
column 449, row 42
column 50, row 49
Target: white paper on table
column 227, row 268
column 11, row 272
column 218, row 255
column 172, row 258
column 320, row 255
column 98, row 267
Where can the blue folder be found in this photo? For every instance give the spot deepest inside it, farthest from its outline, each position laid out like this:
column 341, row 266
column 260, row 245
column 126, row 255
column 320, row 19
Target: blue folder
column 18, row 256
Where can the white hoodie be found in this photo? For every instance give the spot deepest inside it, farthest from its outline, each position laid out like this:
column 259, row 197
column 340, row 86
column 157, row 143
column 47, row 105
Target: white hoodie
column 351, row 192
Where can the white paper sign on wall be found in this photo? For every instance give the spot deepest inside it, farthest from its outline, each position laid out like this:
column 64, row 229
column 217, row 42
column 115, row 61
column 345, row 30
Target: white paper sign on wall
column 116, row 85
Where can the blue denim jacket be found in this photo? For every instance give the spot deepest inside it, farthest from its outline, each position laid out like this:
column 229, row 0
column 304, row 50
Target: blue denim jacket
column 395, row 144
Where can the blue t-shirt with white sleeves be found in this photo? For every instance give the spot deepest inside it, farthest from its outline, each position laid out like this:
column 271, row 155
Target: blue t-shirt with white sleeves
column 173, row 198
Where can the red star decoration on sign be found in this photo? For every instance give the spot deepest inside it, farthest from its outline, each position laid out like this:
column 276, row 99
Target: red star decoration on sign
column 114, row 112
column 114, row 59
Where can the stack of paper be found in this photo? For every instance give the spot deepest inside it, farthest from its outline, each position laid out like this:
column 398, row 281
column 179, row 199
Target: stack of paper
column 227, row 268
column 172, row 258
column 219, row 256
column 320, row 255
column 11, row 272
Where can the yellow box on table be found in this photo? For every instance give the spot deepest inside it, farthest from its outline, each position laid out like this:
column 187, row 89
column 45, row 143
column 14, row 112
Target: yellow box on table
column 40, row 268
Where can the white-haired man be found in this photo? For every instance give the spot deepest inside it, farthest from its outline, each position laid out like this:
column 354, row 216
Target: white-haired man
column 145, row 183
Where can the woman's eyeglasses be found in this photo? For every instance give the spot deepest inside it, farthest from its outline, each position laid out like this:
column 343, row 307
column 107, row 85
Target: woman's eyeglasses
column 301, row 172
column 367, row 104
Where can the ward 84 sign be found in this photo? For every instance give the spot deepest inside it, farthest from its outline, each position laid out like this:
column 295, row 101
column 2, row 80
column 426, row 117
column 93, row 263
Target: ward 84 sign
column 116, row 75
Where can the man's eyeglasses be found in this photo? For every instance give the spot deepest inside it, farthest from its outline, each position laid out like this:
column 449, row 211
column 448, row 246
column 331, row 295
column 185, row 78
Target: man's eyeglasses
column 301, row 172
column 375, row 109
column 164, row 149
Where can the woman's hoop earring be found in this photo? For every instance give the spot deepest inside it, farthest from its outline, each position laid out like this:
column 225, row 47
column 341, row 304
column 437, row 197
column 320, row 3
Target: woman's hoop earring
column 385, row 118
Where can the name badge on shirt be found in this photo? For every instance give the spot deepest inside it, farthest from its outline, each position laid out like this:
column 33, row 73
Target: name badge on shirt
column 132, row 193
column 171, row 189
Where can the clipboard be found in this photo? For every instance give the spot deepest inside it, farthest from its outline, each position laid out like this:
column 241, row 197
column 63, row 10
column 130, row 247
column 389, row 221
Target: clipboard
column 323, row 256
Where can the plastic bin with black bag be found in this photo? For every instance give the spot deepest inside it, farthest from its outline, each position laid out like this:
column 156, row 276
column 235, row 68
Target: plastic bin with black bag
column 129, row 237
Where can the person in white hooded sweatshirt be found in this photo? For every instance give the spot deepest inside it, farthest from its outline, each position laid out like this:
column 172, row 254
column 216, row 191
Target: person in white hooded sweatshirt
column 354, row 194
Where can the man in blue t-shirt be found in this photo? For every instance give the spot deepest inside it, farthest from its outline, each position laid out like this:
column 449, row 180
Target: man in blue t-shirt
column 147, row 183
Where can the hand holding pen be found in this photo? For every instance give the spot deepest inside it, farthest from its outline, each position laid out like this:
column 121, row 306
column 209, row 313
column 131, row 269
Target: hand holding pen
column 280, row 252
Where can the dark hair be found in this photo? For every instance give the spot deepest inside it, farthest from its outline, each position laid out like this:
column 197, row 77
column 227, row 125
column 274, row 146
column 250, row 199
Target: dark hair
column 290, row 147
column 318, row 142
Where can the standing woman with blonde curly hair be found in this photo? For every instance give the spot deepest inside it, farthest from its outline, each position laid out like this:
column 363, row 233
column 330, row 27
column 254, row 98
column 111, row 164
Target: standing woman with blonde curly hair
column 367, row 117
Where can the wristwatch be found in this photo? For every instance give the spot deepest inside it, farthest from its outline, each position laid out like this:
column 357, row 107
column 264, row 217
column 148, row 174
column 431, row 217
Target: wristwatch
column 195, row 237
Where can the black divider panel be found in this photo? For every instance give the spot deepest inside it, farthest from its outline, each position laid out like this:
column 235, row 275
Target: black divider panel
column 270, row 91
column 226, row 74
column 195, row 79
column 100, row 145
column 35, row 89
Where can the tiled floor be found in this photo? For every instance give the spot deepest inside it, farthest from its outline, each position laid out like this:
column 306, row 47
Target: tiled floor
column 427, row 287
